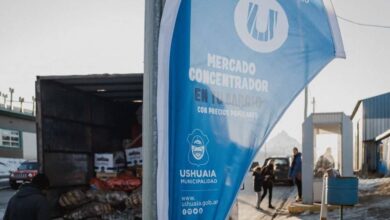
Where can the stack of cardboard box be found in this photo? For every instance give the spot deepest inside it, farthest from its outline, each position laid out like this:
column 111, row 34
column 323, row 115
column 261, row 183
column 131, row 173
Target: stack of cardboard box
column 108, row 165
column 134, row 155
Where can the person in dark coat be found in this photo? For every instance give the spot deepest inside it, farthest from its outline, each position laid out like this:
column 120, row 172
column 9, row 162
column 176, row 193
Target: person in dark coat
column 296, row 172
column 268, row 173
column 257, row 184
column 29, row 203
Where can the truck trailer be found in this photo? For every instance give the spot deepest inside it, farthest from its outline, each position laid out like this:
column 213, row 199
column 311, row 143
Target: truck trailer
column 78, row 117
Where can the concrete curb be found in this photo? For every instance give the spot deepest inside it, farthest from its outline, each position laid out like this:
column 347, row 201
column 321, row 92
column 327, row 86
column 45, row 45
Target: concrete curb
column 299, row 208
column 4, row 185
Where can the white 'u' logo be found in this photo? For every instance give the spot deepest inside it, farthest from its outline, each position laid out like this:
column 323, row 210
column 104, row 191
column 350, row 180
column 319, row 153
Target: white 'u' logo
column 262, row 25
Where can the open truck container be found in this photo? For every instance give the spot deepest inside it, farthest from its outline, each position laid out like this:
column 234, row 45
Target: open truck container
column 78, row 116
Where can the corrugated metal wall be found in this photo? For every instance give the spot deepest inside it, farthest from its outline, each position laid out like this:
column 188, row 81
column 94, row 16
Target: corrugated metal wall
column 376, row 116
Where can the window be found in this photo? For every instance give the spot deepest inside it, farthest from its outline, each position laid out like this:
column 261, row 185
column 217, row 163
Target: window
column 10, row 138
column 281, row 162
column 28, row 166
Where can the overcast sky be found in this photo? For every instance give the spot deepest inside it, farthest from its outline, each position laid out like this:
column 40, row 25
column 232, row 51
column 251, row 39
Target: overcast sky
column 364, row 73
column 46, row 37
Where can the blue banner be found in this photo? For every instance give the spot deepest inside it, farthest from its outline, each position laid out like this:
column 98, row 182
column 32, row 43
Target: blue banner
column 227, row 72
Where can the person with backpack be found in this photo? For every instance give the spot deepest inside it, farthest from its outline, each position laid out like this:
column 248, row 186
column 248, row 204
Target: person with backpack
column 268, row 173
column 257, row 184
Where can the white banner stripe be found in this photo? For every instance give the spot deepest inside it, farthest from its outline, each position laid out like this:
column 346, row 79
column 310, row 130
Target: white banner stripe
column 165, row 38
column 335, row 29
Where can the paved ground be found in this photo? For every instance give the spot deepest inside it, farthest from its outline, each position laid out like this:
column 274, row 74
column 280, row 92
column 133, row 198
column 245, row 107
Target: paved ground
column 4, row 183
column 282, row 196
column 5, row 195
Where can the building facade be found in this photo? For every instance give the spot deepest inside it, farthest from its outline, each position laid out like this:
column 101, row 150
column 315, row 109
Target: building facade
column 17, row 135
column 371, row 118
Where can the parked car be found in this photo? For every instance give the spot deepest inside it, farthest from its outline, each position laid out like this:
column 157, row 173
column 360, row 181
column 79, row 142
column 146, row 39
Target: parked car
column 25, row 172
column 281, row 169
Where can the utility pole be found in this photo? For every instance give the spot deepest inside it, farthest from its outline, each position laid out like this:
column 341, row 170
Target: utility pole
column 21, row 100
column 5, row 96
column 306, row 72
column 1, row 94
column 33, row 109
column 314, row 104
column 306, row 97
column 11, row 91
column 153, row 13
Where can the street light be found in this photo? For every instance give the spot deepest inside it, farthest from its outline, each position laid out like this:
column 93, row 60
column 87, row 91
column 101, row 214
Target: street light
column 11, row 91
column 21, row 100
column 5, row 96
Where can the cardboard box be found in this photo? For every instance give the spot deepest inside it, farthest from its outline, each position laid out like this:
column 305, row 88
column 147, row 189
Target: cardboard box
column 105, row 176
column 134, row 156
column 110, row 162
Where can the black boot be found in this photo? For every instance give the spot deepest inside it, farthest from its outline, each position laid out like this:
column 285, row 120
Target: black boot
column 258, row 204
column 271, row 207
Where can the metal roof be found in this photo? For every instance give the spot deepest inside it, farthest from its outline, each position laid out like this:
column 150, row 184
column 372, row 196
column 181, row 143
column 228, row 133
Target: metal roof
column 326, row 122
column 116, row 87
column 366, row 99
column 376, row 115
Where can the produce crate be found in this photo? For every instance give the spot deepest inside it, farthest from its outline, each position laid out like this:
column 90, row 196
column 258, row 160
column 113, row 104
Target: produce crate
column 105, row 176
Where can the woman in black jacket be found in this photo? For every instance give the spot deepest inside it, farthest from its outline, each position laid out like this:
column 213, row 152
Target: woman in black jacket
column 258, row 183
column 268, row 173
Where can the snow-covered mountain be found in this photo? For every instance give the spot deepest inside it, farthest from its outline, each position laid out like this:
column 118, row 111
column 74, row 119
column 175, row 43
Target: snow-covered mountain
column 280, row 145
